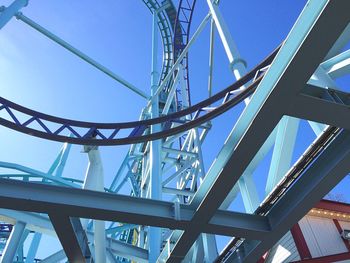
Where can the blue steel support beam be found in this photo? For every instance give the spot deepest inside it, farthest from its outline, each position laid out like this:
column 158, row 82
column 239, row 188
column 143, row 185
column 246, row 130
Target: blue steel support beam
column 249, row 192
column 155, row 146
column 239, row 69
column 54, row 258
column 13, row 242
column 72, row 237
column 42, row 224
column 291, row 69
column 338, row 66
column 80, row 54
column 282, row 152
column 34, row 245
column 112, row 207
column 324, row 173
column 259, row 156
column 237, row 64
column 60, row 161
column 94, row 180
column 340, row 43
column 321, row 105
column 8, row 12
column 31, row 171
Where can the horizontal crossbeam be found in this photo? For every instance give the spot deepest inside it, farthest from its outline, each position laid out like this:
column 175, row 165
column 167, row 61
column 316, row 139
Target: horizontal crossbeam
column 112, row 207
column 322, row 105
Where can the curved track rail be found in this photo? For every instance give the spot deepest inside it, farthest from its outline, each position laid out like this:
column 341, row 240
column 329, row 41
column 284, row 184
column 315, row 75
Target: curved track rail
column 165, row 17
column 89, row 133
column 181, row 37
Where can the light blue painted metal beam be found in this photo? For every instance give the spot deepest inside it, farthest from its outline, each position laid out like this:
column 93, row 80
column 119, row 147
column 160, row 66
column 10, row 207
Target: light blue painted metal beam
column 282, row 152
column 34, row 245
column 42, row 224
column 290, row 70
column 338, row 66
column 25, row 169
column 321, row 105
column 155, row 146
column 237, row 64
column 94, row 180
column 211, row 57
column 340, row 43
column 8, row 12
column 13, row 242
column 120, row 208
column 323, row 174
column 260, row 155
column 249, row 192
column 60, row 161
column 80, row 54
column 54, row 258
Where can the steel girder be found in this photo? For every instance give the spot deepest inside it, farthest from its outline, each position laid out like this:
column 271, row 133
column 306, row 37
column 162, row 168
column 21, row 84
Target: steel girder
column 322, row 105
column 292, row 68
column 326, row 171
column 112, row 207
column 42, row 224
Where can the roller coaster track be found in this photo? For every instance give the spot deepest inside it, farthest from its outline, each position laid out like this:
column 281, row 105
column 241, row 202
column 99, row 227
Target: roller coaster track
column 90, row 133
column 181, row 37
column 166, row 20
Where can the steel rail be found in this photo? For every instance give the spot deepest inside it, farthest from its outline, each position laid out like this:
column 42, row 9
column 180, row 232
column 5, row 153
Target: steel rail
column 181, row 38
column 165, row 31
column 90, row 133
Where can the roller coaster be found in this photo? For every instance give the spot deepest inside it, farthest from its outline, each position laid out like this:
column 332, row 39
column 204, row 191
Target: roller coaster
column 95, row 223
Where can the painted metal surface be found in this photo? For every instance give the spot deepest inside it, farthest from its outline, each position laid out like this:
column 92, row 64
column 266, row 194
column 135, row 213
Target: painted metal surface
column 156, row 162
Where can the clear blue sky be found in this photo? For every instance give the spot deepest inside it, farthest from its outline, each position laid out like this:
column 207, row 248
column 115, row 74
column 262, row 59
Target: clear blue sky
column 39, row 74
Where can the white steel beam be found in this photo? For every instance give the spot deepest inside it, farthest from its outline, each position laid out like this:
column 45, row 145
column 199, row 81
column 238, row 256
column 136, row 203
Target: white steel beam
column 94, row 180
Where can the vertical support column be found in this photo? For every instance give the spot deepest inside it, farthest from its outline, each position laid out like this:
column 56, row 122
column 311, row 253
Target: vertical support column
column 10, row 11
column 210, row 248
column 155, row 146
column 33, row 248
column 238, row 67
column 94, row 181
column 237, row 64
column 63, row 159
column 211, row 57
column 282, row 151
column 13, row 242
column 249, row 193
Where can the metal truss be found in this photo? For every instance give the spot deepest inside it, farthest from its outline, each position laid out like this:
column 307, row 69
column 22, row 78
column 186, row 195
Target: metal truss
column 165, row 159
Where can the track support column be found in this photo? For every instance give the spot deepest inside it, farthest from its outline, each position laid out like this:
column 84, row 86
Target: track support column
column 155, row 146
column 12, row 243
column 94, row 181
